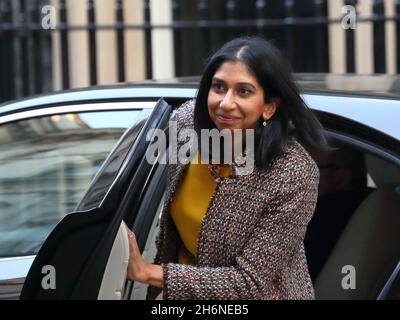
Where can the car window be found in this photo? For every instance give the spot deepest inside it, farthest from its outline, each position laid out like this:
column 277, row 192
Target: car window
column 47, row 164
column 354, row 229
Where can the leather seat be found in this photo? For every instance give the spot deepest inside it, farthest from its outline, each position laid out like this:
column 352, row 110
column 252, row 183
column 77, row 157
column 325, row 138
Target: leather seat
column 371, row 243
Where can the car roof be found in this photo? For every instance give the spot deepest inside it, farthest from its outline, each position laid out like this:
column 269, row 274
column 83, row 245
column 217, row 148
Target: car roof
column 377, row 85
column 147, row 91
column 370, row 100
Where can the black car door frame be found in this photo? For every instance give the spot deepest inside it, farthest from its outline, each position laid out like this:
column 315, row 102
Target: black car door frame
column 79, row 246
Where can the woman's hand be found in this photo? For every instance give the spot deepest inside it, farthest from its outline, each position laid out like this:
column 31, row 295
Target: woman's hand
column 137, row 265
column 138, row 269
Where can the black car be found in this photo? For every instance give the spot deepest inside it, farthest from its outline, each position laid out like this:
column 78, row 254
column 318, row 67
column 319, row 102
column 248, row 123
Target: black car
column 73, row 168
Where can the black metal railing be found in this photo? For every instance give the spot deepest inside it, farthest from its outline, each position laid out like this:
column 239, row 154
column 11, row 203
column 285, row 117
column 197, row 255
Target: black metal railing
column 379, row 37
column 25, row 51
column 298, row 27
column 63, row 27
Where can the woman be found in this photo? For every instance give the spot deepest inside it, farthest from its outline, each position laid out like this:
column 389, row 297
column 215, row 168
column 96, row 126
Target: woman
column 229, row 236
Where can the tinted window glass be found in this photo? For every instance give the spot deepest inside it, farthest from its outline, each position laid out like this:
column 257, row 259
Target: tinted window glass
column 46, row 166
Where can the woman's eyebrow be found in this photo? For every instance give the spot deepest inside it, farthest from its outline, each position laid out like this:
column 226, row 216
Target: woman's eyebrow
column 239, row 83
column 247, row 84
column 217, row 79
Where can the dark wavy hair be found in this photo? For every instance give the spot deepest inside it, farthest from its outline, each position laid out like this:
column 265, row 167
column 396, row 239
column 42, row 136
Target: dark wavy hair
column 273, row 73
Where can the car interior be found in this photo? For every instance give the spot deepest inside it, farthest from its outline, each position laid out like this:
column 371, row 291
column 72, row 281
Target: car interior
column 369, row 240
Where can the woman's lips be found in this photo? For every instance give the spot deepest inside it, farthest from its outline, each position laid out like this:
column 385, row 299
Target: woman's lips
column 226, row 118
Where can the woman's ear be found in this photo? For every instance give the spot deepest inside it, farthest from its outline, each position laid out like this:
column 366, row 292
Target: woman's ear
column 270, row 108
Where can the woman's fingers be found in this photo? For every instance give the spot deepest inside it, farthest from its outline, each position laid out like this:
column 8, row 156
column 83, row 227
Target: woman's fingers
column 138, row 269
column 131, row 236
column 128, row 230
column 133, row 246
column 136, row 264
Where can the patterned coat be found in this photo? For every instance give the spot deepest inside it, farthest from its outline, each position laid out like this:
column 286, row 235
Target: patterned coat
column 251, row 240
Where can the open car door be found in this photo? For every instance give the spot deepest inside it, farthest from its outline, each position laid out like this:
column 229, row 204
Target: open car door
column 86, row 255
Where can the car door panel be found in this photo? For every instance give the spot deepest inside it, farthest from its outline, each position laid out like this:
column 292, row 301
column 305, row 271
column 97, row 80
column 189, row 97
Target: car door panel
column 112, row 285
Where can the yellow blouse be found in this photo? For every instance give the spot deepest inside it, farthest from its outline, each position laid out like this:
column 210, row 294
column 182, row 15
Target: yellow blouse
column 189, row 205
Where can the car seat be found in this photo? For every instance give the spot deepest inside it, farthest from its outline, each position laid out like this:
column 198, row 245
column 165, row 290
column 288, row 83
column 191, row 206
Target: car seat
column 370, row 242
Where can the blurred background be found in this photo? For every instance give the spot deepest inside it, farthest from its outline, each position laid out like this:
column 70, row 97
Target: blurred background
column 48, row 45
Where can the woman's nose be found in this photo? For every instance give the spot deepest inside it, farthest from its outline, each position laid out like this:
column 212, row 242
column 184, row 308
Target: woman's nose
column 227, row 101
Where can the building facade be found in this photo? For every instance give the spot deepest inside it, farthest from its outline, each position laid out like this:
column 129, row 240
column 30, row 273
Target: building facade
column 48, row 45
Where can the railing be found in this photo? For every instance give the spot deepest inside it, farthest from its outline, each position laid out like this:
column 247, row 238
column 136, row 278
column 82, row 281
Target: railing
column 298, row 27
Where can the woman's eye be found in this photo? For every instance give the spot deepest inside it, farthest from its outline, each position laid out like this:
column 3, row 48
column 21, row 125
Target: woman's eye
column 244, row 92
column 218, row 87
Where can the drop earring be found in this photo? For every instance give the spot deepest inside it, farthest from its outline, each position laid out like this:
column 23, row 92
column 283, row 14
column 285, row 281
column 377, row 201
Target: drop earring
column 264, row 123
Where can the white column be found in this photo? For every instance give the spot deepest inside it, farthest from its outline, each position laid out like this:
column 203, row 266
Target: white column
column 364, row 36
column 78, row 44
column 162, row 40
column 135, row 60
column 106, row 42
column 337, row 55
column 56, row 51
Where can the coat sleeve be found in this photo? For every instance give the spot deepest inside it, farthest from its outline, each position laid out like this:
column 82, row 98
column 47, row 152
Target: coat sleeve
column 168, row 241
column 276, row 237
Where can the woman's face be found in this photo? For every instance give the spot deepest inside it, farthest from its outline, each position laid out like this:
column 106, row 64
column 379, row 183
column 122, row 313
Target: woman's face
column 236, row 99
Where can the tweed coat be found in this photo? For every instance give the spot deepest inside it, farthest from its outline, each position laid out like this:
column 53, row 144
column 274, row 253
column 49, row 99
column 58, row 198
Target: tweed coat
column 251, row 239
